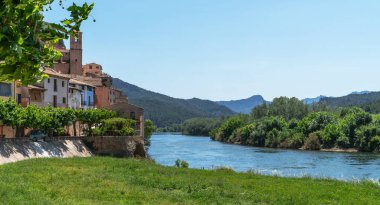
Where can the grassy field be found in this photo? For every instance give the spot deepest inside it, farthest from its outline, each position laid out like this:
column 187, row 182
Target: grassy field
column 127, row 181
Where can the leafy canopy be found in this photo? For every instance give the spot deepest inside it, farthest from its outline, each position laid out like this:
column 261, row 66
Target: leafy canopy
column 27, row 41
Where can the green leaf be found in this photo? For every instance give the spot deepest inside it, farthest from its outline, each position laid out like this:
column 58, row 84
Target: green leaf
column 20, row 41
column 21, row 6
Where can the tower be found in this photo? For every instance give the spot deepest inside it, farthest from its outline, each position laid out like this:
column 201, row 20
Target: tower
column 76, row 53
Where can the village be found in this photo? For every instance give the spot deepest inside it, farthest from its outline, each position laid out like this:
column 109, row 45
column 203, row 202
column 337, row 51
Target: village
column 72, row 85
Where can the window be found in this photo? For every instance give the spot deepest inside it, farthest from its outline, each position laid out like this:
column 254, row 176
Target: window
column 5, row 89
column 54, row 101
column 89, row 88
column 83, row 87
column 48, row 80
column 90, row 66
column 133, row 115
column 64, row 100
column 55, row 85
column 63, row 84
column 19, row 98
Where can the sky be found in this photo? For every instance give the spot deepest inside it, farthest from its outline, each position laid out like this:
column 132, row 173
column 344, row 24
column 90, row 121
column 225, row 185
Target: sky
column 233, row 49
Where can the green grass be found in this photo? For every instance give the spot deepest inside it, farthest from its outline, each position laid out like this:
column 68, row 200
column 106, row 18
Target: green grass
column 128, row 181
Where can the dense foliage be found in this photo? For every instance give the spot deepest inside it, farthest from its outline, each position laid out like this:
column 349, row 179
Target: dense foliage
column 116, row 126
column 27, row 41
column 51, row 121
column 200, row 126
column 281, row 125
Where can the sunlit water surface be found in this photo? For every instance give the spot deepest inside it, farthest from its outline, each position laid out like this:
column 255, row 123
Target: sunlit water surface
column 201, row 152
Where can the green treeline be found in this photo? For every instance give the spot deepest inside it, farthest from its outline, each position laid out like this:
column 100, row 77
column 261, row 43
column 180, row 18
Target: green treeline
column 54, row 121
column 289, row 123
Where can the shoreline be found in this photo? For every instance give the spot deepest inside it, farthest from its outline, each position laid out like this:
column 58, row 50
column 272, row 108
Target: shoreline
column 337, row 150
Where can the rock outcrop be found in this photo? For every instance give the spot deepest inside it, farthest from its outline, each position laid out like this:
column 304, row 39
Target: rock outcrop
column 117, row 146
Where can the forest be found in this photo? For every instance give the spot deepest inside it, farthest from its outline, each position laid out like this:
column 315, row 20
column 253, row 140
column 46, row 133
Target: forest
column 289, row 123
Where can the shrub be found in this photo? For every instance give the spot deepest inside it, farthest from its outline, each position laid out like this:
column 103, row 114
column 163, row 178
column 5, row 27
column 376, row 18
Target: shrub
column 97, row 132
column 375, row 144
column 118, row 126
column 295, row 141
column 181, row 163
column 127, row 131
column 343, row 142
column 330, row 135
column 312, row 142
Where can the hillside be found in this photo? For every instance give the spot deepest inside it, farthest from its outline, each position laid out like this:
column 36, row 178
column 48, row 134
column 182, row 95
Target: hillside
column 351, row 100
column 165, row 110
column 244, row 106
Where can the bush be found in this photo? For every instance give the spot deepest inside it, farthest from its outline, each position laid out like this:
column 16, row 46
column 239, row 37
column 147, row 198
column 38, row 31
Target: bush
column 375, row 144
column 343, row 142
column 181, row 163
column 127, row 131
column 330, row 135
column 118, row 127
column 97, row 132
column 312, row 142
column 295, row 141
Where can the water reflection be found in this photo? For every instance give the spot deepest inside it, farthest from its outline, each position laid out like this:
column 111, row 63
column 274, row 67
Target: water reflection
column 201, row 152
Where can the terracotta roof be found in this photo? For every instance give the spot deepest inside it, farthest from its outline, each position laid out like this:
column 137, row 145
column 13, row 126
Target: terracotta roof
column 32, row 87
column 52, row 72
column 75, row 81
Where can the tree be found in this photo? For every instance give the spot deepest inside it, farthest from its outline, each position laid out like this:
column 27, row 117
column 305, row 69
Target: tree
column 149, row 128
column 27, row 41
column 92, row 117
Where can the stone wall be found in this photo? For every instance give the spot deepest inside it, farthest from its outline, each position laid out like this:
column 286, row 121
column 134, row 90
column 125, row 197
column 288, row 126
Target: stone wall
column 17, row 149
column 117, row 146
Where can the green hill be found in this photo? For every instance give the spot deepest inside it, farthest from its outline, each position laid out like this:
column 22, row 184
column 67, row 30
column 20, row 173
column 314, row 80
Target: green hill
column 351, row 100
column 165, row 110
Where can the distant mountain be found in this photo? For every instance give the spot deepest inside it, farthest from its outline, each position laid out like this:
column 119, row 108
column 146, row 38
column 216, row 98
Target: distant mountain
column 165, row 110
column 309, row 101
column 360, row 92
column 244, row 106
column 352, row 99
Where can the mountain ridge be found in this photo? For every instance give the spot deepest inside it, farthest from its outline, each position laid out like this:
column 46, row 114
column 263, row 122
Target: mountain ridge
column 165, row 110
column 243, row 106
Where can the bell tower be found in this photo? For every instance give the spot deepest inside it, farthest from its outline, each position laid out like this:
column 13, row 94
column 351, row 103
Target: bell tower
column 76, row 53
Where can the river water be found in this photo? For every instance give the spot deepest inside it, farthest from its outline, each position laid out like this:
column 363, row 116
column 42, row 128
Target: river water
column 203, row 153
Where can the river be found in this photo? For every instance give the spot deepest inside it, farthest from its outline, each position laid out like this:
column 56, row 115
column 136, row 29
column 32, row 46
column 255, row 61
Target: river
column 203, row 153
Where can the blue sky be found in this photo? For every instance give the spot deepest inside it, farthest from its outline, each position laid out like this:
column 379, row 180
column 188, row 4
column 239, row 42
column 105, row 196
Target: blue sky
column 232, row 49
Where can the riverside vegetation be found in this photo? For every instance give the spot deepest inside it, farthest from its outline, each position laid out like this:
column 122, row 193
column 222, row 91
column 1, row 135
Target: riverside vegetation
column 289, row 123
column 99, row 180
column 54, row 121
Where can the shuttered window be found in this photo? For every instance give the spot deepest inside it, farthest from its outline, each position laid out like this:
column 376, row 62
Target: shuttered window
column 5, row 89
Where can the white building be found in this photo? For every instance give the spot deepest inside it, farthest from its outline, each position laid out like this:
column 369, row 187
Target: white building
column 56, row 89
column 81, row 95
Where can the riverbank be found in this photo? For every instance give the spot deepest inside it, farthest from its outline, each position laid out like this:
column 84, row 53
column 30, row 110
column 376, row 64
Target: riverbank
column 98, row 180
